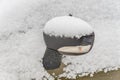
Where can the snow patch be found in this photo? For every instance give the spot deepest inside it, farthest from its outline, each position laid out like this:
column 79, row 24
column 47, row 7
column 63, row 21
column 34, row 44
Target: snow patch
column 67, row 26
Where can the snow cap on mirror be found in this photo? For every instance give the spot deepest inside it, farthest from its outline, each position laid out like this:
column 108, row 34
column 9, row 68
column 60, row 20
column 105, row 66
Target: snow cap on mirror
column 67, row 26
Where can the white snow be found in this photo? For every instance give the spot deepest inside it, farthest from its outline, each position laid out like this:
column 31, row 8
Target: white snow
column 67, row 26
column 21, row 41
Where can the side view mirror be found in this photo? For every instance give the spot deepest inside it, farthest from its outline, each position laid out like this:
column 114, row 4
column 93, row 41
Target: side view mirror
column 68, row 43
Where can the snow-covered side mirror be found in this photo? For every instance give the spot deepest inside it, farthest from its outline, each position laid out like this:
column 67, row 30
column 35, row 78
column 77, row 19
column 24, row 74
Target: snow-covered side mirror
column 66, row 35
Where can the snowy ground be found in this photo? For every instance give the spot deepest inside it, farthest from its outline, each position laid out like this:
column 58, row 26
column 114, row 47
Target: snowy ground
column 21, row 41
